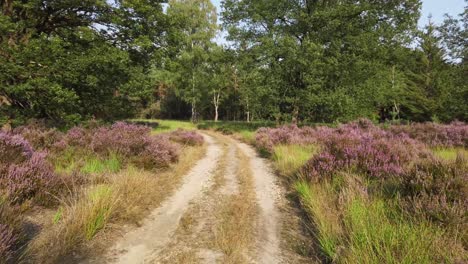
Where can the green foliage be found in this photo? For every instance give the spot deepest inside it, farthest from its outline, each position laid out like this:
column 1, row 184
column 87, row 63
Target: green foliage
column 300, row 61
column 65, row 64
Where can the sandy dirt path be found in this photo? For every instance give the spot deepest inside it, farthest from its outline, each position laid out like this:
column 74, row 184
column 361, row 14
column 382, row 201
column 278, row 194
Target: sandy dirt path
column 186, row 227
column 156, row 230
column 268, row 195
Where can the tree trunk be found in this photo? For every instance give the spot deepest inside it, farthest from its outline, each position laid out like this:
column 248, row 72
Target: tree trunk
column 216, row 114
column 194, row 110
column 216, row 105
column 295, row 114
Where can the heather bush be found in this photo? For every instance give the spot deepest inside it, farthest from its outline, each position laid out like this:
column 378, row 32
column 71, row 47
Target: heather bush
column 121, row 138
column 38, row 135
column 76, row 137
column 437, row 190
column 13, row 149
column 267, row 138
column 186, row 137
column 159, row 152
column 364, row 148
column 436, row 135
column 24, row 173
column 129, row 141
column 34, row 178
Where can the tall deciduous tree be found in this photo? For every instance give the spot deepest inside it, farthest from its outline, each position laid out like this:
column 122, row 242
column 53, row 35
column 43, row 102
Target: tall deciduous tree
column 194, row 25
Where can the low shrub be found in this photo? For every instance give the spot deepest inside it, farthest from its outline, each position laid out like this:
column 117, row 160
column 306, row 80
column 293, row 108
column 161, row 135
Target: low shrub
column 13, row 149
column 25, row 173
column 39, row 135
column 34, row 178
column 186, row 137
column 267, row 138
column 120, row 138
column 437, row 190
column 159, row 153
column 435, row 135
column 364, row 148
column 129, row 141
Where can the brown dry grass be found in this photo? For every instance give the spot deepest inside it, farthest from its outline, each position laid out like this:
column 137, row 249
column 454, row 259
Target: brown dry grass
column 235, row 234
column 125, row 197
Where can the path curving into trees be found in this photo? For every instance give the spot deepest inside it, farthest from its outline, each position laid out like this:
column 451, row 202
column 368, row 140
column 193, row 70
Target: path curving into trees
column 228, row 210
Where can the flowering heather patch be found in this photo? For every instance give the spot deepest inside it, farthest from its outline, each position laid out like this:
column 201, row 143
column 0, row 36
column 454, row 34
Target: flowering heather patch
column 34, row 178
column 122, row 138
column 437, row 189
column 159, row 152
column 436, row 135
column 186, row 137
column 130, row 141
column 24, row 173
column 13, row 149
column 365, row 148
column 359, row 146
column 267, row 138
column 8, row 241
column 39, row 136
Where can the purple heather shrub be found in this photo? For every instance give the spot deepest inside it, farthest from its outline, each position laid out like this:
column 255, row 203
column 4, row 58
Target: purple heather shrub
column 131, row 141
column 24, row 173
column 34, row 178
column 185, row 137
column 159, row 152
column 363, row 147
column 13, row 149
column 436, row 135
column 267, row 138
column 122, row 138
column 437, row 190
column 75, row 137
column 38, row 135
column 8, row 241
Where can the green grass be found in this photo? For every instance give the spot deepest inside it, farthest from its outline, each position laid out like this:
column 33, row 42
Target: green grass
column 95, row 165
column 100, row 206
column 378, row 234
column 230, row 127
column 352, row 226
column 247, row 136
column 450, row 154
column 169, row 125
column 318, row 203
column 288, row 159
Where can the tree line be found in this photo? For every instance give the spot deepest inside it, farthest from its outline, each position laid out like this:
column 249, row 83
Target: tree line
column 284, row 60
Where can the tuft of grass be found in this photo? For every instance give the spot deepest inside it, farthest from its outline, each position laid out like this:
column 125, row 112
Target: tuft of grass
column 246, row 136
column 318, row 201
column 450, row 154
column 379, row 234
column 95, row 165
column 58, row 216
column 100, row 203
column 288, row 159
